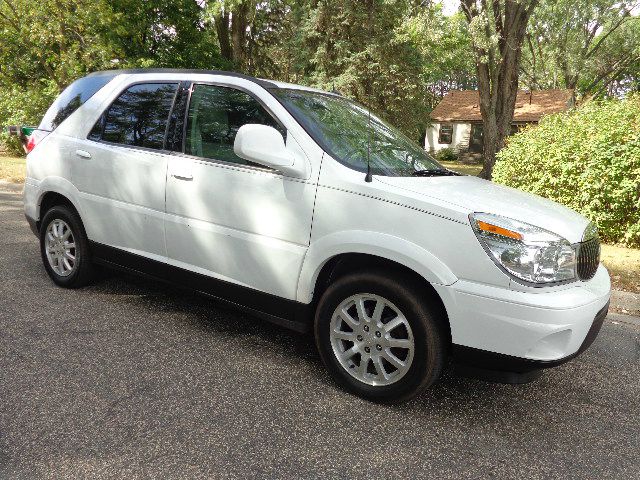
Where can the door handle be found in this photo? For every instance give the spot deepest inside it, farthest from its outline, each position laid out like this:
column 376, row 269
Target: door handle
column 83, row 154
column 181, row 169
column 183, row 176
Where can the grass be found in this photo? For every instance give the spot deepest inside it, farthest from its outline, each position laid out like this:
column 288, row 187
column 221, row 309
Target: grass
column 623, row 263
column 12, row 169
column 463, row 168
column 624, row 267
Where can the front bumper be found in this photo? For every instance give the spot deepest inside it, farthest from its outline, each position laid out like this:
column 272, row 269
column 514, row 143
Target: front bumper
column 523, row 331
column 498, row 367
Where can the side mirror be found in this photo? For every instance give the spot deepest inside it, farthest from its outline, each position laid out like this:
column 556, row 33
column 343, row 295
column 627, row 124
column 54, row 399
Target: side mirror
column 264, row 145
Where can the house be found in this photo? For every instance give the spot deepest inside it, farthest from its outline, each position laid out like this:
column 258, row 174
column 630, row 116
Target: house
column 457, row 122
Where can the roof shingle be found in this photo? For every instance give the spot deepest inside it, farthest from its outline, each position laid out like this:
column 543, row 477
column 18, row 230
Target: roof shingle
column 463, row 105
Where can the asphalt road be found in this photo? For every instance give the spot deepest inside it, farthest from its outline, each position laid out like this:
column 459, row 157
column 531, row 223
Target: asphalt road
column 133, row 379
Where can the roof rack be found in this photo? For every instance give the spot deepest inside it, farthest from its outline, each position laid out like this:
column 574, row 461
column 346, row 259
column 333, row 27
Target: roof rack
column 131, row 71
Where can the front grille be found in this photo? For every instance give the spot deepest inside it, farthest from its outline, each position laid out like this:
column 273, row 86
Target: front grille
column 588, row 258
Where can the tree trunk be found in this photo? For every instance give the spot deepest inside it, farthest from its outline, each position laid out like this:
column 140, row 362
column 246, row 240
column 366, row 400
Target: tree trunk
column 239, row 24
column 489, row 146
column 222, row 29
column 497, row 69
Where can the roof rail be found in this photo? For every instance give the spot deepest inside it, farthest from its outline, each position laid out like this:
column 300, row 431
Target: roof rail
column 130, row 71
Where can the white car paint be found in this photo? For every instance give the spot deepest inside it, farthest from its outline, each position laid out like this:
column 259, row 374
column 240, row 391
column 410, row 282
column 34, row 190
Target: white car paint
column 273, row 232
column 482, row 196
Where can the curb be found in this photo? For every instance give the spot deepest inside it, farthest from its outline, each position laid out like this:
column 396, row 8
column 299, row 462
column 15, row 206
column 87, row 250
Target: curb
column 11, row 187
column 626, row 303
column 627, row 319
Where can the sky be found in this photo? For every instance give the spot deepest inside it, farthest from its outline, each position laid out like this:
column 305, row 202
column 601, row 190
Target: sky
column 449, row 7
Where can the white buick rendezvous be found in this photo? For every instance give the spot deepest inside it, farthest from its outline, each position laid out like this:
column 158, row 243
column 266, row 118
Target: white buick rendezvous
column 300, row 206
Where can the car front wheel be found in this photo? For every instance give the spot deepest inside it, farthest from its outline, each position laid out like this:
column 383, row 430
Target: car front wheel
column 379, row 337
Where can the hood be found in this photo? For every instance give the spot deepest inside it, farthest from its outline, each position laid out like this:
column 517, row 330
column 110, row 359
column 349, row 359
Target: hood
column 477, row 195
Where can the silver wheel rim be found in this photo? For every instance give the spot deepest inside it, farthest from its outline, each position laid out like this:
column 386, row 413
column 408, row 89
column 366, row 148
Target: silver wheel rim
column 60, row 247
column 372, row 339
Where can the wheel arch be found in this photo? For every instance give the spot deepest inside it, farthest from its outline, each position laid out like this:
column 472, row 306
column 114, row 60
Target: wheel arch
column 343, row 252
column 380, row 245
column 346, row 263
column 51, row 195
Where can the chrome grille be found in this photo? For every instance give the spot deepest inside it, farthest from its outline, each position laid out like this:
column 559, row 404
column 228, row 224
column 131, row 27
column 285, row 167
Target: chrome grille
column 588, row 258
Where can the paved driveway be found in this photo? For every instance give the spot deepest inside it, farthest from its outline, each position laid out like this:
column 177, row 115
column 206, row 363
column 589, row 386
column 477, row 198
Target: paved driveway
column 129, row 378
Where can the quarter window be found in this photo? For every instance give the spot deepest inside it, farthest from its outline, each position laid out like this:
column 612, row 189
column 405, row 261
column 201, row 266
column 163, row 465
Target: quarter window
column 72, row 98
column 215, row 115
column 446, row 134
column 138, row 117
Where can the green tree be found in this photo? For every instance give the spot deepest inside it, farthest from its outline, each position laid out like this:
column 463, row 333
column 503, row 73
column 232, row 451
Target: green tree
column 359, row 48
column 443, row 43
column 46, row 45
column 592, row 46
column 159, row 33
column 53, row 40
column 497, row 31
column 251, row 33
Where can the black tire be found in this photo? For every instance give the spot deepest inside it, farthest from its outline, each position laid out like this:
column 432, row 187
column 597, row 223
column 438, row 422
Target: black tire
column 429, row 334
column 83, row 270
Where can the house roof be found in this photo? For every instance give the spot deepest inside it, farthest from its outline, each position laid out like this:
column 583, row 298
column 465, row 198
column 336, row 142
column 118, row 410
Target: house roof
column 463, row 105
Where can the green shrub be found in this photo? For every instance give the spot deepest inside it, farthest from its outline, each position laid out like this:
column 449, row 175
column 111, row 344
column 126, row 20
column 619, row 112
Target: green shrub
column 446, row 155
column 23, row 106
column 587, row 159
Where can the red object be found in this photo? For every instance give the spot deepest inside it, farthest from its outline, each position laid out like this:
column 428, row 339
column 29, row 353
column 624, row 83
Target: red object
column 34, row 139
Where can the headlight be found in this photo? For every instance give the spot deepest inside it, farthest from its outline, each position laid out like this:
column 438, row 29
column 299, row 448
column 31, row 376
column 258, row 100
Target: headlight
column 524, row 251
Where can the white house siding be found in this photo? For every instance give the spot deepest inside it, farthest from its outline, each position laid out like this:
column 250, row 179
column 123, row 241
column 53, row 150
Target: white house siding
column 459, row 139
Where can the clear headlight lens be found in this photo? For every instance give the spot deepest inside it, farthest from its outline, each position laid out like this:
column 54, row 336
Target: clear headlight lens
column 525, row 251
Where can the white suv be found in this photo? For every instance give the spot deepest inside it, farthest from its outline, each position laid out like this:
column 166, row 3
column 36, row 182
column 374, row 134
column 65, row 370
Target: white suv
column 299, row 205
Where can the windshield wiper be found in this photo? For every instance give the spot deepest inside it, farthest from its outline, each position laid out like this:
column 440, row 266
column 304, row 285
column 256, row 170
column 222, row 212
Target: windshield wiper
column 434, row 172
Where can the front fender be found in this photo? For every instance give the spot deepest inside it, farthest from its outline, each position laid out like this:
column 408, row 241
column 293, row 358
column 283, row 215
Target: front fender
column 382, row 245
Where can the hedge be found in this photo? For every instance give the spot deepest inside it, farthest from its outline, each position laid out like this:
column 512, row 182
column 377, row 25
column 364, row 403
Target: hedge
column 587, row 159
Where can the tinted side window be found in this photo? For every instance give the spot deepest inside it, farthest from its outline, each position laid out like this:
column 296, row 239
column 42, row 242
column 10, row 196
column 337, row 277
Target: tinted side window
column 215, row 115
column 138, row 116
column 71, row 99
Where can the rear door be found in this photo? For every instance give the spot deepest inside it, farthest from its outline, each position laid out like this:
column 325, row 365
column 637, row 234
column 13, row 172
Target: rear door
column 226, row 217
column 120, row 170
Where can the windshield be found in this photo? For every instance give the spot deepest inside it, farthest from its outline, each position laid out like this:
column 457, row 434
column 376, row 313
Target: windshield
column 346, row 131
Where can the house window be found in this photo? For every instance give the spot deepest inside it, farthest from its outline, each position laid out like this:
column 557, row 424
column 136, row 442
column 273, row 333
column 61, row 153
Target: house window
column 446, row 134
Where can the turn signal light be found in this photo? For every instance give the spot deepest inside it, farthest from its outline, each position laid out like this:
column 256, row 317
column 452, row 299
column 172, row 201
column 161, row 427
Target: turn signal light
column 488, row 227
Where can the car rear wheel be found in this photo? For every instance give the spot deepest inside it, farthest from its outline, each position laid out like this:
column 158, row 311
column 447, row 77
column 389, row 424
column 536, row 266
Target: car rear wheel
column 379, row 337
column 64, row 248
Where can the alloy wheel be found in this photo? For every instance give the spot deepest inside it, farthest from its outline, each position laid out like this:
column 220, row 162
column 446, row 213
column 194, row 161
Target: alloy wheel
column 372, row 339
column 60, row 248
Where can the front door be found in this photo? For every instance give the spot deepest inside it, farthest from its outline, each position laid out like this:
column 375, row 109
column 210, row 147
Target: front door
column 475, row 139
column 120, row 170
column 227, row 218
